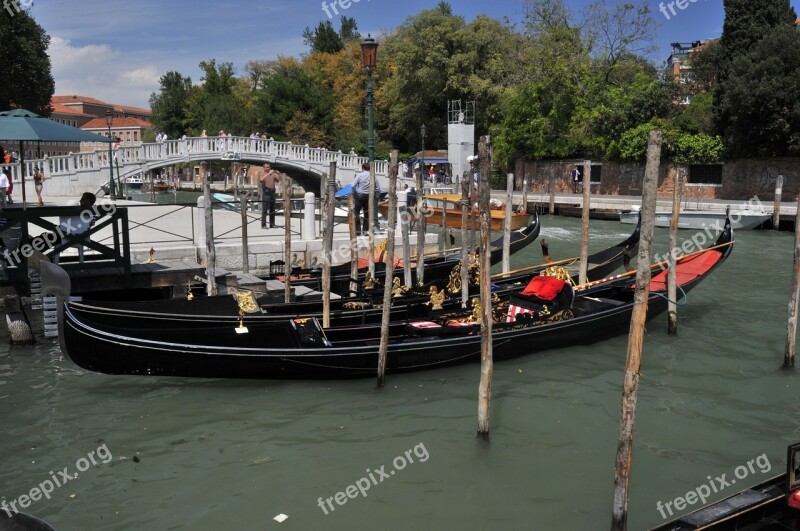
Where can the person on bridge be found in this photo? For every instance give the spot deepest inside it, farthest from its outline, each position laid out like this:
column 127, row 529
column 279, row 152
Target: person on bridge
column 38, row 183
column 268, row 178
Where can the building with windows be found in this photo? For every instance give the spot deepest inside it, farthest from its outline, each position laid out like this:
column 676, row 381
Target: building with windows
column 128, row 130
column 679, row 67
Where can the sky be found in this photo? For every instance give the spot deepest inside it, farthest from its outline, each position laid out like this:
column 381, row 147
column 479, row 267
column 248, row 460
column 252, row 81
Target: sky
column 116, row 50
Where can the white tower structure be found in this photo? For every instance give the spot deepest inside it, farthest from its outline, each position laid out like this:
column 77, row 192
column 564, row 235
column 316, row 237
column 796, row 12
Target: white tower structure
column 460, row 136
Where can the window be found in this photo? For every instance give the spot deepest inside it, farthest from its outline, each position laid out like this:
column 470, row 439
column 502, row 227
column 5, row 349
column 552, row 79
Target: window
column 705, row 174
column 597, row 171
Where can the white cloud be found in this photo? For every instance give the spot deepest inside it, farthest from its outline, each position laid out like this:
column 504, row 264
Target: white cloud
column 99, row 71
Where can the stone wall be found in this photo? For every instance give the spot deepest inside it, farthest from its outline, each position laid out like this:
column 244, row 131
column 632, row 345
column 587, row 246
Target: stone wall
column 741, row 179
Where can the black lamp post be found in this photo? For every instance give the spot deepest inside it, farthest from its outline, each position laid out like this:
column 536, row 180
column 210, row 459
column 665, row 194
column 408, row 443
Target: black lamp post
column 112, row 190
column 369, row 56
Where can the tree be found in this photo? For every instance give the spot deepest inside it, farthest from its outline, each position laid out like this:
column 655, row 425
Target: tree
column 325, row 39
column 292, row 90
column 216, row 104
column 169, row 104
column 763, row 107
column 26, row 80
column 746, row 24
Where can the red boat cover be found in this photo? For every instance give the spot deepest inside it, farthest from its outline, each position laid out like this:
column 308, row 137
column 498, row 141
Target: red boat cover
column 545, row 288
column 687, row 270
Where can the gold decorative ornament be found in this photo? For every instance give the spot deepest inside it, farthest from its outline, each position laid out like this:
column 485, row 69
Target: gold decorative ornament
column 437, row 298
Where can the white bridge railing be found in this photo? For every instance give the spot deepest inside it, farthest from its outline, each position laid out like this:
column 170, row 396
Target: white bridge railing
column 73, row 174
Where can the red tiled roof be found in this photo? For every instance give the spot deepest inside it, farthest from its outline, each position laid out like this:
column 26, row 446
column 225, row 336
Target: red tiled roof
column 77, row 99
column 63, row 109
column 128, row 108
column 100, row 123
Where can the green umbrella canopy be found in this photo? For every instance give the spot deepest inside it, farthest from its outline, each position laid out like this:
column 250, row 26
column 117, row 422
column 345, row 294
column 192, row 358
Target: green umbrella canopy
column 22, row 125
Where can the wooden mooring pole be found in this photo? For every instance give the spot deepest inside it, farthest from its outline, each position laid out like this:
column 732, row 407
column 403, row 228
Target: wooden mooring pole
column 287, row 238
column 387, row 285
column 328, row 210
column 211, row 252
column 587, row 187
column 245, row 250
column 672, row 290
column 371, row 216
column 421, row 227
column 405, row 233
column 351, row 221
column 507, row 224
column 791, row 325
column 622, row 467
column 465, row 251
column 776, row 209
column 552, row 185
column 487, row 361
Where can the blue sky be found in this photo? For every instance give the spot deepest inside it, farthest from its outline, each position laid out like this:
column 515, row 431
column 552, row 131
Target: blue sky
column 116, row 50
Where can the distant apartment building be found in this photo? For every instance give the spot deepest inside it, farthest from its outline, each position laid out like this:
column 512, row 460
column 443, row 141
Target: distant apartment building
column 128, row 123
column 679, row 67
column 128, row 130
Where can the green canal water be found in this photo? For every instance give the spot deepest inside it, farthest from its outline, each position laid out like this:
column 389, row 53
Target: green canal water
column 231, row 454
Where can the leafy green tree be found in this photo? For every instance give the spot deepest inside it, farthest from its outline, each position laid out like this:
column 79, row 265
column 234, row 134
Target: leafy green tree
column 325, row 39
column 746, row 24
column 169, row 103
column 26, row 80
column 296, row 94
column 217, row 104
column 764, row 107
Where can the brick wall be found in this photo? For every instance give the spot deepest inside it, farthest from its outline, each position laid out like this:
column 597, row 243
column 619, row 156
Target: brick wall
column 741, row 179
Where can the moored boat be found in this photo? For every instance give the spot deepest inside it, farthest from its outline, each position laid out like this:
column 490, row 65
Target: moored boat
column 442, row 207
column 704, row 219
column 300, row 348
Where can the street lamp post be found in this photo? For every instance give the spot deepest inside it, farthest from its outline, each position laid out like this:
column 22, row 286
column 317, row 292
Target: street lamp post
column 111, row 187
column 369, row 56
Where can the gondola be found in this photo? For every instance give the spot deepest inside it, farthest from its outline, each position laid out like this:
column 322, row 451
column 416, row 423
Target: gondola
column 773, row 504
column 184, row 314
column 300, row 349
column 437, row 268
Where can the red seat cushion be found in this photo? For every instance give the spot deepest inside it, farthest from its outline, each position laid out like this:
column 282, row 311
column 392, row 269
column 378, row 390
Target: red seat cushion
column 545, row 288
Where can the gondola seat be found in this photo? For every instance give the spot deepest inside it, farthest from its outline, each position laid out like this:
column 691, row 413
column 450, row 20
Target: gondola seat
column 542, row 296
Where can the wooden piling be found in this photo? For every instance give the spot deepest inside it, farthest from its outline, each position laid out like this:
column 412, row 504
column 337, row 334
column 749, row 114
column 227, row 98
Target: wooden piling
column 487, row 362
column 421, row 227
column 387, row 285
column 791, row 325
column 776, row 209
column 351, row 221
column 622, row 467
column 507, row 224
column 245, row 249
column 465, row 251
column 444, row 225
column 587, row 187
column 287, row 238
column 404, row 230
column 524, row 205
column 371, row 216
column 328, row 211
column 672, row 291
column 552, row 185
column 211, row 252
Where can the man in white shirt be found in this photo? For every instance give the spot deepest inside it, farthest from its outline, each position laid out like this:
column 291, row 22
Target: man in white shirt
column 3, row 187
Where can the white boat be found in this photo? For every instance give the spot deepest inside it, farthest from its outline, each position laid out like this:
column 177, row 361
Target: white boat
column 134, row 181
column 702, row 219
